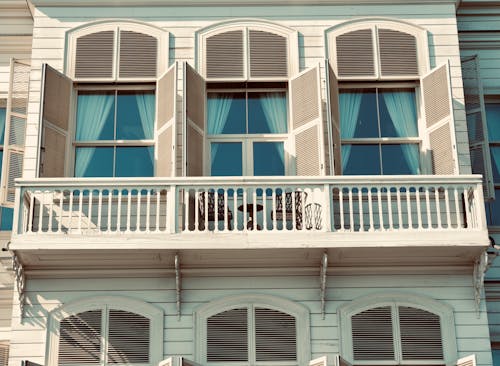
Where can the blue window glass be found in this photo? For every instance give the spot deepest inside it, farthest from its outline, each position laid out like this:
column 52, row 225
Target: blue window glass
column 94, row 162
column 268, row 158
column 398, row 113
column 361, row 160
column 226, row 113
column 95, row 116
column 358, row 113
column 400, row 159
column 135, row 115
column 134, row 161
column 267, row 112
column 226, row 159
column 7, row 214
column 2, row 124
column 493, row 120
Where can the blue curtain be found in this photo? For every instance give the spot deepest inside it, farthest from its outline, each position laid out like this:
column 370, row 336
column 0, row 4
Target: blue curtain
column 218, row 107
column 350, row 106
column 274, row 108
column 3, row 113
column 146, row 108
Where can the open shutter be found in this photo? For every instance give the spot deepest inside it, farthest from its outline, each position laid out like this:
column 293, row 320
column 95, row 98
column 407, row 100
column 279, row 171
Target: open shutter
column 138, row 55
column 320, row 361
column 333, row 116
column 398, row 53
column 15, row 129
column 339, row 361
column 56, row 93
column 268, row 55
column 166, row 130
column 355, row 54
column 476, row 125
column 4, row 354
column 467, row 361
column 94, row 55
column 194, row 99
column 439, row 120
column 225, row 55
column 275, row 336
column 307, row 122
column 227, row 336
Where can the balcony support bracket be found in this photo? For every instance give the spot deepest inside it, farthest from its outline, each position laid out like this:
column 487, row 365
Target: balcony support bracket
column 20, row 279
column 178, row 284
column 480, row 267
column 323, row 277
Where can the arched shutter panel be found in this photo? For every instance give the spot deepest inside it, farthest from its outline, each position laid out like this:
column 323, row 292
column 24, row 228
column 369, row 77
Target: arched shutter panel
column 355, row 53
column 80, row 339
column 138, row 55
column 268, row 55
column 94, row 55
column 467, row 361
column 398, row 53
column 334, row 143
column 275, row 336
column 225, row 55
column 227, row 336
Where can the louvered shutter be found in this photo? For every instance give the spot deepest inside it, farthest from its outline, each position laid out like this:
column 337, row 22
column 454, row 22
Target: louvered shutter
column 398, row 53
column 467, row 361
column 94, row 55
column 372, row 334
column 307, row 122
column 4, row 354
column 476, row 125
column 320, row 361
column 195, row 95
column 225, row 55
column 166, row 128
column 167, row 362
column 334, row 145
column 128, row 338
column 420, row 333
column 339, row 361
column 138, row 55
column 268, row 55
column 227, row 336
column 439, row 120
column 355, row 54
column 275, row 336
column 56, row 93
column 80, row 339
column 15, row 129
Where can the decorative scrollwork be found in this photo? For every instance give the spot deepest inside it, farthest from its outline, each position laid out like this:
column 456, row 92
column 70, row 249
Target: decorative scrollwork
column 323, row 276
column 480, row 267
column 177, row 263
column 20, row 280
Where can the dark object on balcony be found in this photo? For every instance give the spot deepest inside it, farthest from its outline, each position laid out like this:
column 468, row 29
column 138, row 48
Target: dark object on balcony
column 313, row 212
column 287, row 214
column 221, row 209
column 250, row 209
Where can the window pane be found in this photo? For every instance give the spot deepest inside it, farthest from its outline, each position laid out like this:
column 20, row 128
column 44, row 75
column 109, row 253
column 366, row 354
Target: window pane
column 7, row 217
column 134, row 161
column 493, row 210
column 135, row 115
column 267, row 112
column 226, row 158
column 226, row 113
column 361, row 160
column 268, row 158
column 95, row 116
column 493, row 120
column 358, row 113
column 398, row 113
column 94, row 162
column 400, row 159
column 2, row 124
column 495, row 163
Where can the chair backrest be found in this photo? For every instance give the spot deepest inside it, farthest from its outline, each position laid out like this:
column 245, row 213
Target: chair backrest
column 300, row 196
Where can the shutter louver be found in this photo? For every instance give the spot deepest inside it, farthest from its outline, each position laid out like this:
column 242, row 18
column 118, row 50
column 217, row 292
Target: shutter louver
column 227, row 336
column 225, row 55
column 398, row 53
column 355, row 54
column 467, row 361
column 195, row 95
column 268, row 55
column 372, row 334
column 420, row 334
column 138, row 55
column 128, row 338
column 94, row 55
column 80, row 339
column 275, row 336
column 321, row 361
column 4, row 354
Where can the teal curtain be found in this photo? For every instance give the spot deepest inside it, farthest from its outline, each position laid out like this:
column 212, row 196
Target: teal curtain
column 274, row 107
column 218, row 107
column 350, row 106
column 3, row 113
column 146, row 108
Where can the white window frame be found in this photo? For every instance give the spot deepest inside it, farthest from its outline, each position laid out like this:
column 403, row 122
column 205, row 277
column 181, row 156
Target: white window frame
column 104, row 303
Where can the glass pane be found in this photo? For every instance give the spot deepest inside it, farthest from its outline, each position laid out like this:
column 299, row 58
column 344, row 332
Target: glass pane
column 95, row 116
column 267, row 112
column 495, row 163
column 493, row 120
column 361, row 160
column 226, row 159
column 7, row 217
column 94, row 162
column 358, row 113
column 268, row 158
column 493, row 210
column 496, row 356
column 400, row 159
column 226, row 113
column 398, row 113
column 3, row 112
column 134, row 161
column 135, row 115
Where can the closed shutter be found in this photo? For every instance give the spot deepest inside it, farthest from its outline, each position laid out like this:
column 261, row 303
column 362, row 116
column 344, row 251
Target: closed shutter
column 80, row 339
column 194, row 96
column 275, row 336
column 320, row 361
column 94, row 55
column 476, row 125
column 268, row 55
column 138, row 55
column 439, row 120
column 307, row 122
column 56, row 93
column 166, row 87
column 15, row 129
column 355, row 54
column 225, row 55
column 467, row 361
column 398, row 53
column 4, row 354
column 372, row 334
column 334, row 143
column 128, row 338
column 227, row 336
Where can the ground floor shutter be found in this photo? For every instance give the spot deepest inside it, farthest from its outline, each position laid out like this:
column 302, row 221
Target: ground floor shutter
column 467, row 361
column 333, row 117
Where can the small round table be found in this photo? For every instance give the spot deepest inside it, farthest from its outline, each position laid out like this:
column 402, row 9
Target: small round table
column 250, row 210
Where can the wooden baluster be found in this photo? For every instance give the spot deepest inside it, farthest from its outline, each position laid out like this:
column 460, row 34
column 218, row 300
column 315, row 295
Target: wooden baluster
column 138, row 213
column 89, row 225
column 99, row 210
column 148, row 208
column 351, row 209
column 158, row 207
column 380, row 211
column 419, row 209
column 80, row 211
column 70, row 211
column 361, row 211
column 129, row 210
column 428, row 207
column 389, row 209
column 341, row 209
column 61, row 210
column 457, row 208
column 399, row 208
column 447, row 206
column 370, row 208
column 438, row 207
column 408, row 208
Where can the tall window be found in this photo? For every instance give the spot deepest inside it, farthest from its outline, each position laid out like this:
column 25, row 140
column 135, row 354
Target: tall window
column 493, row 120
column 6, row 213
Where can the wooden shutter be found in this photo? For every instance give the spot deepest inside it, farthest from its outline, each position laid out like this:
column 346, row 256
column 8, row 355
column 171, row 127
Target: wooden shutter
column 56, row 93
column 138, row 55
column 268, row 55
column 398, row 53
column 320, row 361
column 194, row 99
column 275, row 336
column 307, row 122
column 355, row 54
column 128, row 338
column 476, row 125
column 94, row 55
column 167, row 362
column 80, row 339
column 166, row 129
column 225, row 55
column 372, row 334
column 339, row 361
column 227, row 336
column 420, row 333
column 334, row 143
column 467, row 361
column 15, row 129
column 4, row 354
column 439, row 120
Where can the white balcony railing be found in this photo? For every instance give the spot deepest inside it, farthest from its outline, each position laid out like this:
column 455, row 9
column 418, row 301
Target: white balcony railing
column 257, row 204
